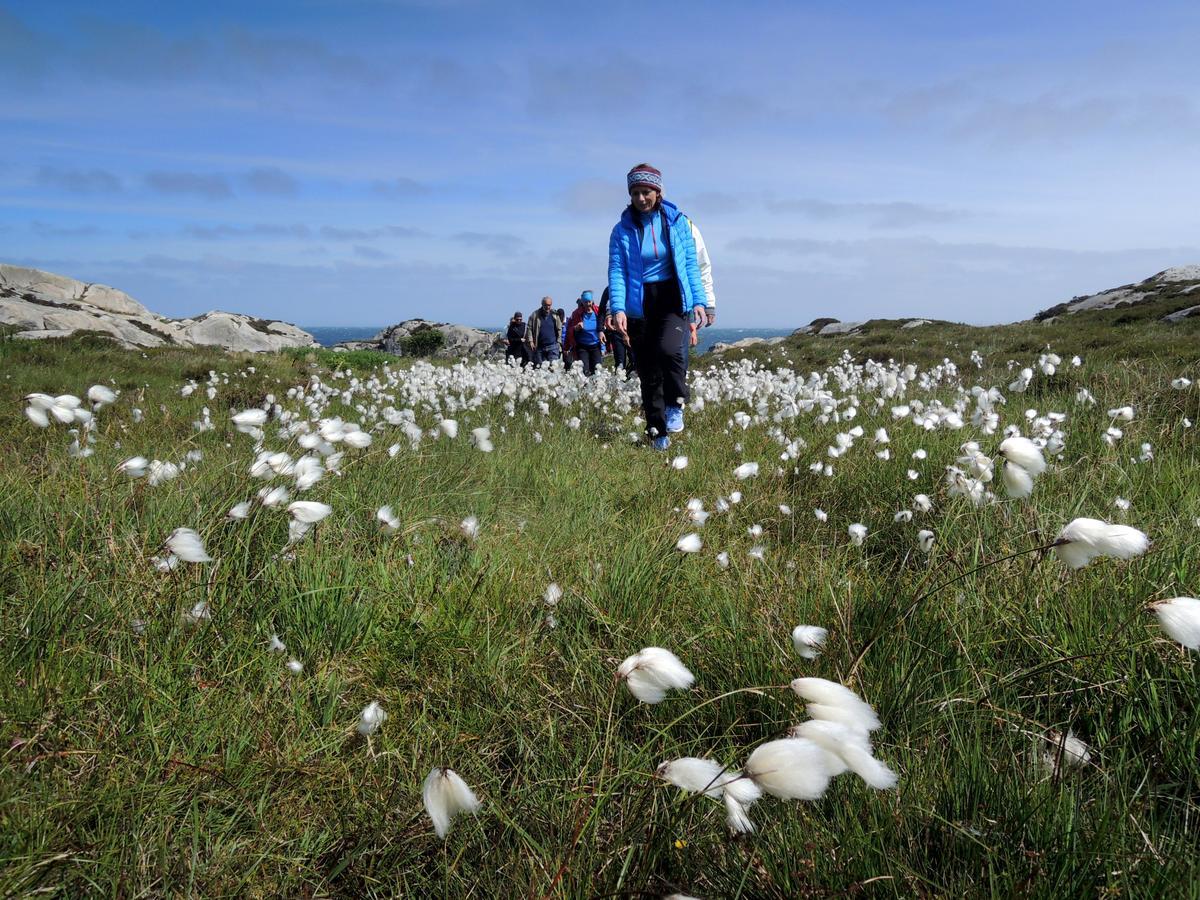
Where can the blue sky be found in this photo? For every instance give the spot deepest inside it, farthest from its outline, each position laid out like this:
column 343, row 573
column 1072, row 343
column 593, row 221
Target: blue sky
column 336, row 162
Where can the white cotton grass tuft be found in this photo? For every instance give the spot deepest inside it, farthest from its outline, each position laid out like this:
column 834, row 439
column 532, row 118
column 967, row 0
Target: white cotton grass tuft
column 858, row 533
column 653, row 671
column 723, row 559
column 198, row 614
column 791, row 769
column 309, row 512
column 1083, row 540
column 851, row 747
column 1065, row 751
column 134, row 467
column 1018, row 482
column 295, row 666
column 187, row 546
column 808, row 640
column 371, row 718
column 470, row 527
column 744, row 471
column 708, row 777
column 482, row 439
column 1180, row 619
column 449, row 428
column 387, row 519
column 239, row 511
column 689, row 543
column 446, row 795
column 679, row 463
column 836, row 703
column 275, row 645
column 1023, row 452
column 925, row 539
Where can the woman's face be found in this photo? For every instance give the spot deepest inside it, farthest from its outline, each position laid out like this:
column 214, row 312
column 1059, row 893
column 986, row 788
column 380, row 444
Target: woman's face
column 643, row 198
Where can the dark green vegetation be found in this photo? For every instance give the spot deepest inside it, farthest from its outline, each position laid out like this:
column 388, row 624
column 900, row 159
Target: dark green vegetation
column 190, row 761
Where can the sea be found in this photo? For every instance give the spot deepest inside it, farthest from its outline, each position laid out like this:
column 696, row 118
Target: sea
column 328, row 335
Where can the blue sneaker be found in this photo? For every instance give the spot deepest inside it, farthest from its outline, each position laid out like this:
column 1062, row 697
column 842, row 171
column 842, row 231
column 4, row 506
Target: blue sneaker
column 662, row 442
column 674, row 419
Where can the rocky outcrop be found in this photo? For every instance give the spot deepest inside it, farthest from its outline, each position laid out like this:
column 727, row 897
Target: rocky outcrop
column 458, row 341
column 44, row 305
column 722, row 346
column 1168, row 286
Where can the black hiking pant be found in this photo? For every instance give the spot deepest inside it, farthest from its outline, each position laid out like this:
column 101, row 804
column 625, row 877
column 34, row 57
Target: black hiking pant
column 658, row 340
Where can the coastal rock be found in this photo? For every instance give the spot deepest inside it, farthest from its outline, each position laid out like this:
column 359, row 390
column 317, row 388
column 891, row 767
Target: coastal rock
column 1180, row 314
column 916, row 323
column 45, row 305
column 1168, row 285
column 457, row 340
column 722, row 346
column 840, row 328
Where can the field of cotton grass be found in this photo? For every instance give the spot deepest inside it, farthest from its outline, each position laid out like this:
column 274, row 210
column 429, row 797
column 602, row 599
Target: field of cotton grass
column 310, row 626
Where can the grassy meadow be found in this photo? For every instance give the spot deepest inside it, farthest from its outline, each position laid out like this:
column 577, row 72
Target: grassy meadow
column 145, row 756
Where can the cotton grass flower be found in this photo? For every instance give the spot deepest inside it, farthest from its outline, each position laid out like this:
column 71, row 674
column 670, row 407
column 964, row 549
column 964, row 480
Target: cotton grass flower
column 689, row 543
column 1025, row 453
column 858, row 533
column 1083, row 540
column 723, row 559
column 134, row 467
column 295, row 666
column 1180, row 619
column 386, row 517
column 275, row 645
column 552, row 595
column 679, row 463
column 808, row 640
column 834, row 702
column 187, row 546
column 708, row 777
column 239, row 511
column 371, row 718
column 482, row 439
column 197, row 615
column 745, row 470
column 790, row 769
column 445, row 796
column 653, row 671
column 925, row 540
column 309, row 512
column 852, row 749
column 470, row 527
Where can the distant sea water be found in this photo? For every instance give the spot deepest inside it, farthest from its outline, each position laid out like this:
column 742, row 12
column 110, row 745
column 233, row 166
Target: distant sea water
column 328, row 335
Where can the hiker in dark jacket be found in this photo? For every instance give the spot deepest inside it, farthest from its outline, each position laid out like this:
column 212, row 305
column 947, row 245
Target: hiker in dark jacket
column 543, row 336
column 516, row 340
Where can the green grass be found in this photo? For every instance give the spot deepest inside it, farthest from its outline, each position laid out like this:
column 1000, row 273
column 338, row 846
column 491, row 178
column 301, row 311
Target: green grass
column 190, row 761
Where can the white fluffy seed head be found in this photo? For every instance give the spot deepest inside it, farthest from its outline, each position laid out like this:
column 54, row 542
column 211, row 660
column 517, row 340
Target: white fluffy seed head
column 371, row 718
column 689, row 543
column 1180, row 619
column 790, row 768
column 1083, row 540
column 823, row 696
column 808, row 639
column 653, row 671
column 186, row 544
column 446, row 795
column 309, row 512
column 1024, row 453
column 1018, row 483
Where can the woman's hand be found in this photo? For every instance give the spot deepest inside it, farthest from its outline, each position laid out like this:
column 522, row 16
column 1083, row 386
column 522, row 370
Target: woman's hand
column 619, row 324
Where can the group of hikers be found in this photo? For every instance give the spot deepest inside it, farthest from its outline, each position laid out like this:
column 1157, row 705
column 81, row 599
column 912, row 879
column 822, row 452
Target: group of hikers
column 659, row 293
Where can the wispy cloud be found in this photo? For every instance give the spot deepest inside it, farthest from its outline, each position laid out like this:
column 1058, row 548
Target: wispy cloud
column 399, row 188
column 887, row 214
column 271, row 180
column 78, row 181
column 198, row 184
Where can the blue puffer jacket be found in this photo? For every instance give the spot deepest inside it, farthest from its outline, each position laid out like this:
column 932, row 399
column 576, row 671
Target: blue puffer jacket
column 625, row 263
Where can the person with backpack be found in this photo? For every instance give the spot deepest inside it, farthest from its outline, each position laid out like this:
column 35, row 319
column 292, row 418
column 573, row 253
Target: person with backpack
column 585, row 337
column 543, row 335
column 654, row 288
column 516, row 340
